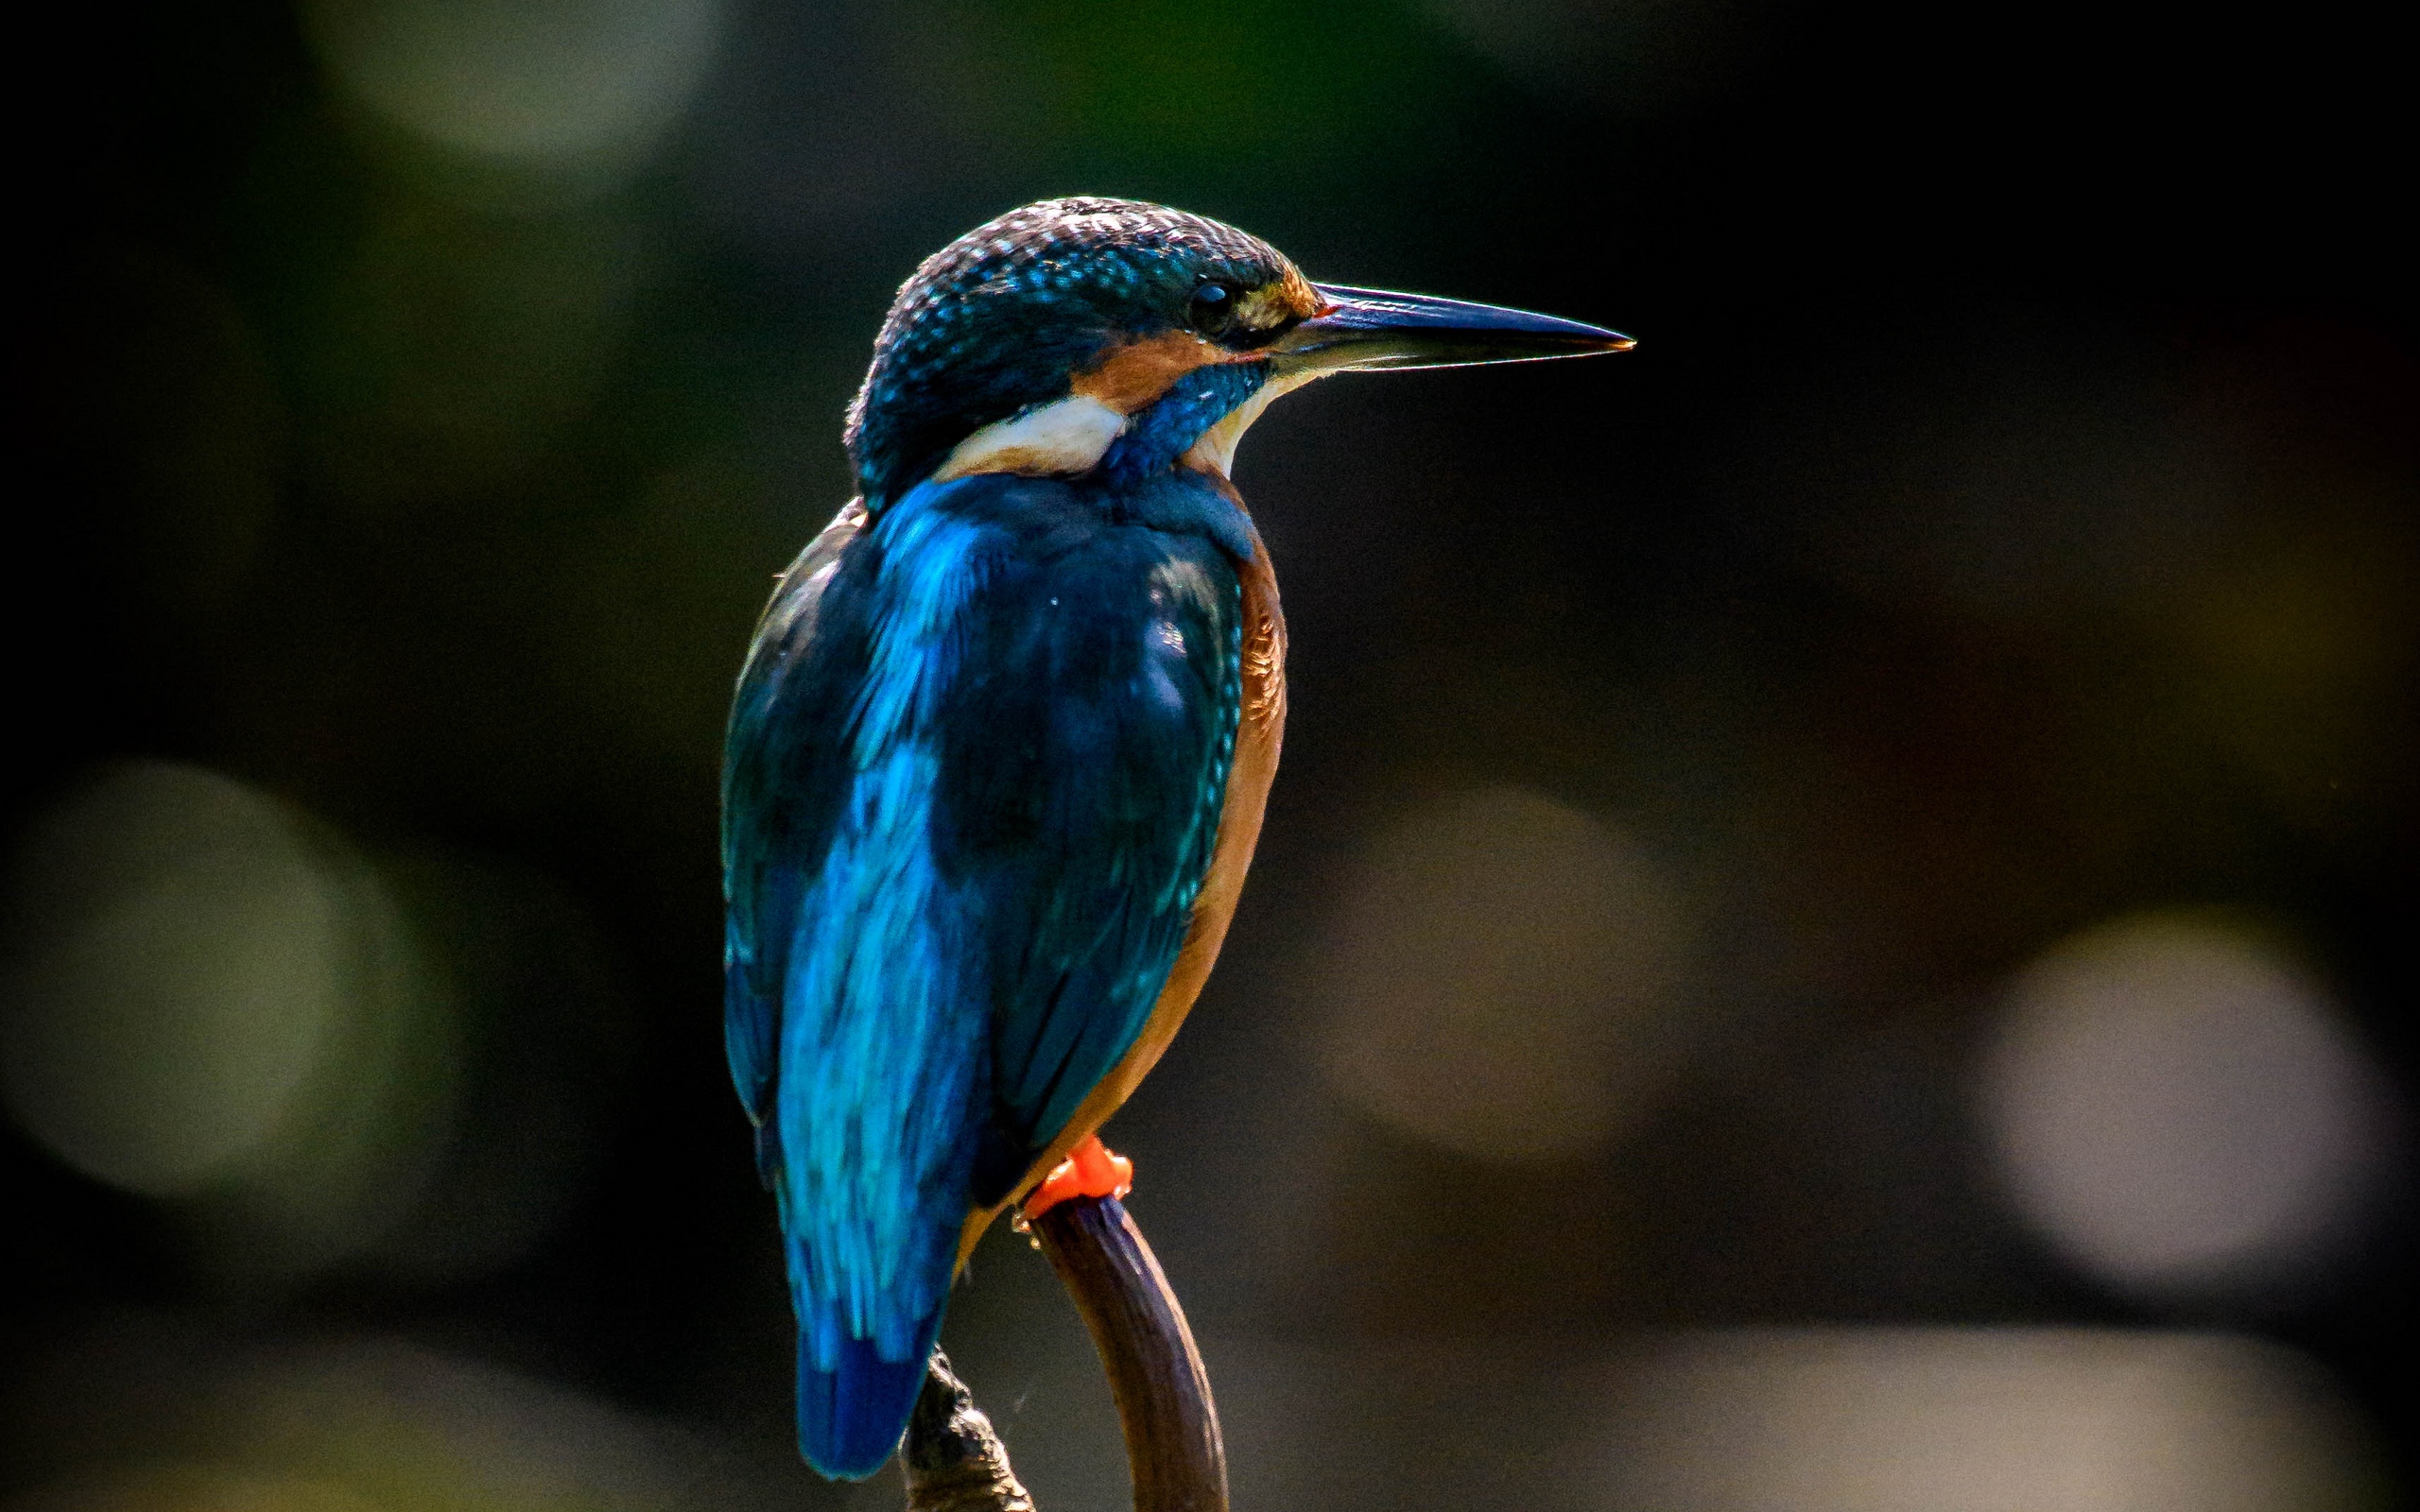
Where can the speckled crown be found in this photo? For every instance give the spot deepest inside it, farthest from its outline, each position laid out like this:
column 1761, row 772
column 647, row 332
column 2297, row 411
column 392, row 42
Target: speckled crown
column 997, row 320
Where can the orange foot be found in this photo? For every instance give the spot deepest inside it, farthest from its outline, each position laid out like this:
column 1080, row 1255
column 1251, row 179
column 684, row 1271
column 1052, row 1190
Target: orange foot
column 1089, row 1171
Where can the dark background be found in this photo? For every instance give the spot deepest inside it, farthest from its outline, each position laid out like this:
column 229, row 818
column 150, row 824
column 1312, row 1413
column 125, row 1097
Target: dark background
column 2004, row 531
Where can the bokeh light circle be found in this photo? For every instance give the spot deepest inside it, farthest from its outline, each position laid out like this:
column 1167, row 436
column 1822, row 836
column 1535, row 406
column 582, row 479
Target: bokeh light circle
column 207, row 994
column 2179, row 1108
column 1500, row 977
column 541, row 82
column 186, row 975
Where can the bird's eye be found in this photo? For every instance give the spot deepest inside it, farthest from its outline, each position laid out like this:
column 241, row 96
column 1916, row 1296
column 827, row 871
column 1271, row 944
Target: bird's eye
column 1211, row 309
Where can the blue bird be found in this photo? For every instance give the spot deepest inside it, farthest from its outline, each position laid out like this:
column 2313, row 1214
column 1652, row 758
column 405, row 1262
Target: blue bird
column 998, row 755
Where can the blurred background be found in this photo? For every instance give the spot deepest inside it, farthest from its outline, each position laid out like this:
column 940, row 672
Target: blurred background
column 1838, row 928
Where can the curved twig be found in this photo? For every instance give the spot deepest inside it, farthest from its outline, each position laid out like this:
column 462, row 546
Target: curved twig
column 956, row 1463
column 1155, row 1373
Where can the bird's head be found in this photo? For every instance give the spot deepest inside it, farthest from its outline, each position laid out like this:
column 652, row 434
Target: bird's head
column 1073, row 335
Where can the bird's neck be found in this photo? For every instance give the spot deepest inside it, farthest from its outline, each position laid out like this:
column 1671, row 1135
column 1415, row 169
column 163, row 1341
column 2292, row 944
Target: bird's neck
column 1178, row 501
column 1082, row 436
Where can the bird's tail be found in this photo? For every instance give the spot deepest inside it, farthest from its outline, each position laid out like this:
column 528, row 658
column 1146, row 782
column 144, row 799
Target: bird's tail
column 851, row 1416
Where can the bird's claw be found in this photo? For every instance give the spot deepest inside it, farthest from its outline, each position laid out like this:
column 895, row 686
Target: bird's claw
column 1089, row 1171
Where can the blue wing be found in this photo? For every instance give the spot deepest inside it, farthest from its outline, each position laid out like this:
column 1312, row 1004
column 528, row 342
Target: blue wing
column 974, row 774
column 781, row 786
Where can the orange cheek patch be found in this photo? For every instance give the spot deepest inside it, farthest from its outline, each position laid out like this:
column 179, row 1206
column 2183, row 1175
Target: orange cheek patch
column 1135, row 375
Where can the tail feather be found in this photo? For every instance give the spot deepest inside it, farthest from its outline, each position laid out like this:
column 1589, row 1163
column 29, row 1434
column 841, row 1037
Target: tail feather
column 850, row 1417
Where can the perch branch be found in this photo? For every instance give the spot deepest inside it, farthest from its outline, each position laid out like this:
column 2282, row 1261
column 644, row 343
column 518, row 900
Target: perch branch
column 1155, row 1373
column 956, row 1463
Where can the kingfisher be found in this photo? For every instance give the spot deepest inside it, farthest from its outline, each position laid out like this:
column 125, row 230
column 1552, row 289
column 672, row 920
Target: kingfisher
column 1001, row 744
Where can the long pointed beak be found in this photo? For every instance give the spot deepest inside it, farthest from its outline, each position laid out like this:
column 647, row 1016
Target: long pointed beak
column 1371, row 328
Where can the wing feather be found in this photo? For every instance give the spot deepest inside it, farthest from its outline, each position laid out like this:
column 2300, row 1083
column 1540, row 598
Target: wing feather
column 975, row 776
